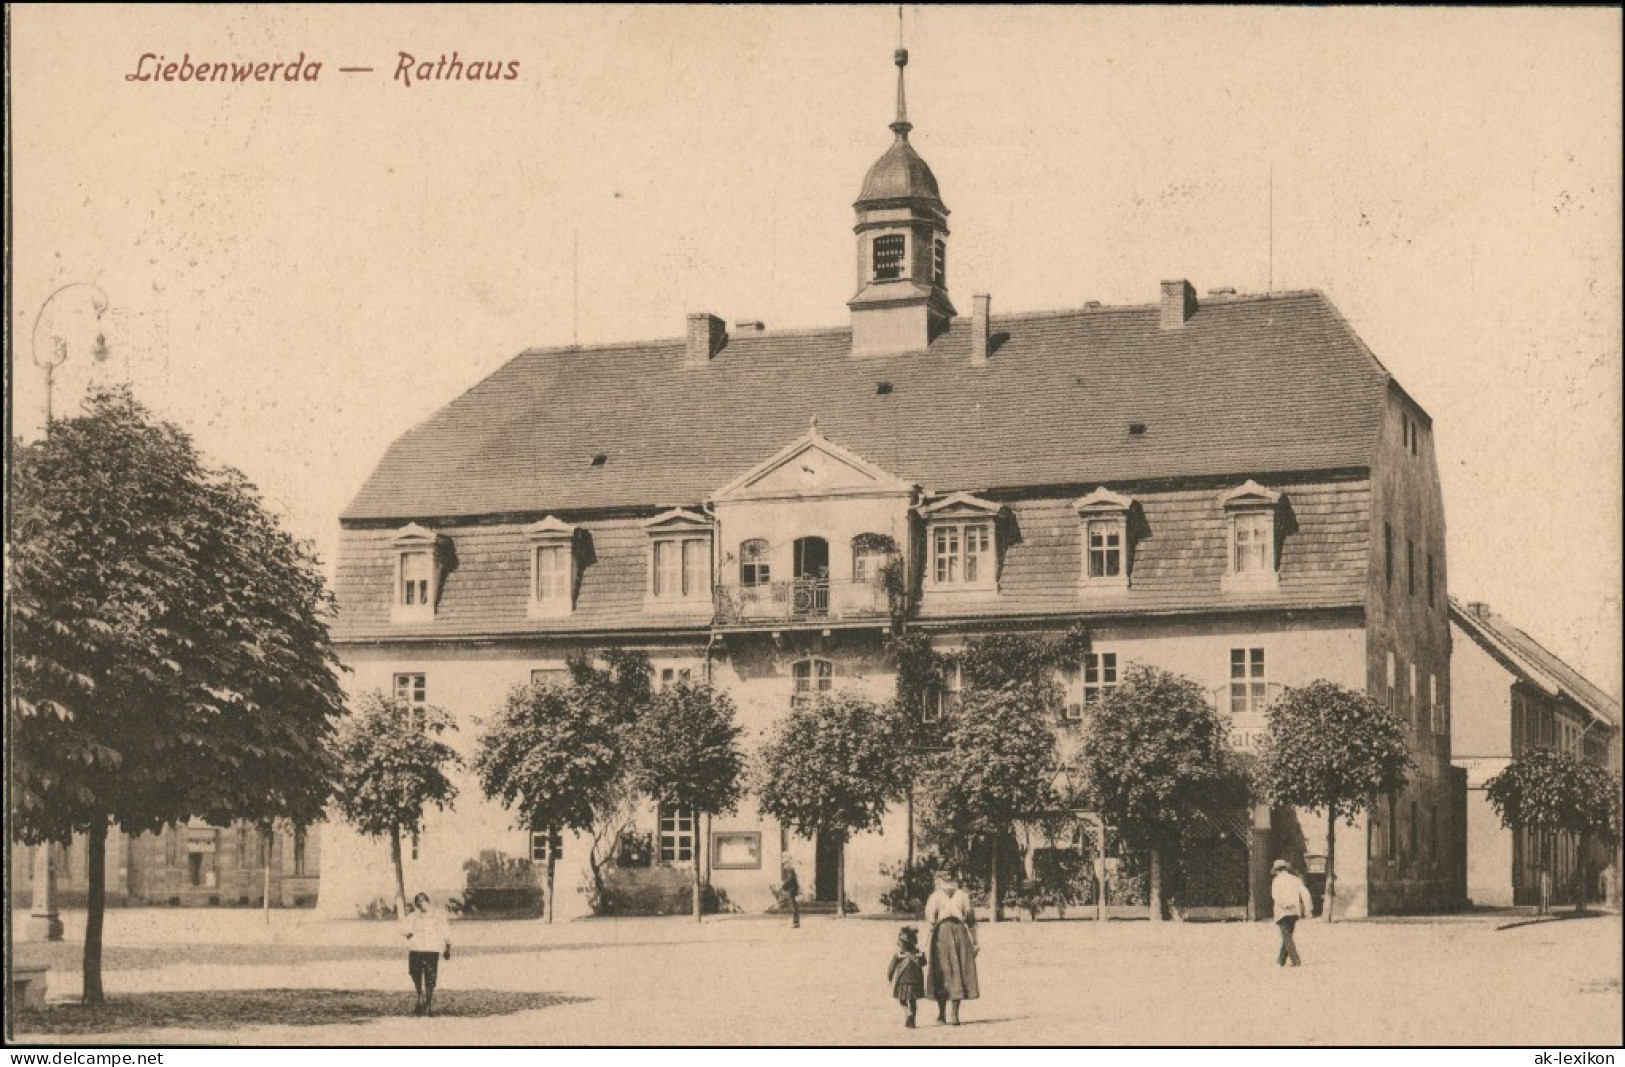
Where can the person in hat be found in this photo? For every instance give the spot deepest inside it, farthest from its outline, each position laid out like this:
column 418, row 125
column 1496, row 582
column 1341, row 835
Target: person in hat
column 790, row 886
column 1292, row 902
column 906, row 972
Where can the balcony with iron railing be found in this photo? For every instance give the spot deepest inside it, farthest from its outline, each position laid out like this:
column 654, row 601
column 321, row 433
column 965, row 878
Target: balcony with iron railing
column 801, row 601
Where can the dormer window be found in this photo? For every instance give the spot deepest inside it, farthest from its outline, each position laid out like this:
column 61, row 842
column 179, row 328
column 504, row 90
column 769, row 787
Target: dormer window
column 1251, row 533
column 679, row 560
column 961, row 538
column 1104, row 516
column 552, row 567
column 417, row 574
column 890, row 249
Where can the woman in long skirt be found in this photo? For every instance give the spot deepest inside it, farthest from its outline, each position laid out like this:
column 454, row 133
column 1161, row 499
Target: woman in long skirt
column 951, row 974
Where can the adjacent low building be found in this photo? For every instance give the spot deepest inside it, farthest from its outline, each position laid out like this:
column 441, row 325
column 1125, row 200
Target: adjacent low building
column 1513, row 695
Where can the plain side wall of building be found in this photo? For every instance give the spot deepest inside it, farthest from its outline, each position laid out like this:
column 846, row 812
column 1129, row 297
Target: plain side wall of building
column 1414, row 849
column 1481, row 744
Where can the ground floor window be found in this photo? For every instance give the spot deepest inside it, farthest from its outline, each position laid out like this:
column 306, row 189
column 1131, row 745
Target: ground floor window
column 545, row 846
column 676, row 835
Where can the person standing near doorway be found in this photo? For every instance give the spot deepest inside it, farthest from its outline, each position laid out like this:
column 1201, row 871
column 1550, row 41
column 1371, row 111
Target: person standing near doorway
column 1292, row 902
column 790, row 886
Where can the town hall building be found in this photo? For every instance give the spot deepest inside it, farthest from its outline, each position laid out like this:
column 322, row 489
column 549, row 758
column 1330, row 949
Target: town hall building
column 1228, row 486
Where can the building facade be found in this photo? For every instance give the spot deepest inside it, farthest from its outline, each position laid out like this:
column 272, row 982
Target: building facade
column 1513, row 696
column 1231, row 487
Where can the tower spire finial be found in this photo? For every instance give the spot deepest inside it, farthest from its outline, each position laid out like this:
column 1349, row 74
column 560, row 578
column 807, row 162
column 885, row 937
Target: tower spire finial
column 901, row 126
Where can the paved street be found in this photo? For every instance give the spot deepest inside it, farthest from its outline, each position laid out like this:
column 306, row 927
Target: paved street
column 752, row 980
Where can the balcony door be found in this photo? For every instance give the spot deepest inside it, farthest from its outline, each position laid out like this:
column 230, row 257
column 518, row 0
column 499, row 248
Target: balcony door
column 811, row 565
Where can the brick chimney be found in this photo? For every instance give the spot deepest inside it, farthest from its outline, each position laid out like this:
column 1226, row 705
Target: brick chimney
column 1479, row 608
column 981, row 316
column 1178, row 303
column 706, row 336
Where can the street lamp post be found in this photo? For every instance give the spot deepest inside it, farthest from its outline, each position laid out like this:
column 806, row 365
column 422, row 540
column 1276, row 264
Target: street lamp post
column 58, row 354
column 44, row 922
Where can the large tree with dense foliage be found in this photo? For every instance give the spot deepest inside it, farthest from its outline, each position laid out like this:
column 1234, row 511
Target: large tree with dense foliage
column 170, row 648
column 393, row 765
column 555, row 755
column 1549, row 791
column 1332, row 749
column 831, row 767
column 685, row 754
column 1000, row 755
column 1156, row 760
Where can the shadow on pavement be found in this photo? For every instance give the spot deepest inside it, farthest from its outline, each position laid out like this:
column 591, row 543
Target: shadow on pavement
column 67, row 955
column 237, row 1008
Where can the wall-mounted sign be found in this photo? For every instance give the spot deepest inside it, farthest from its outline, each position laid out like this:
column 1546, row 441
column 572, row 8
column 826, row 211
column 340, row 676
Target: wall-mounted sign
column 1248, row 732
column 200, row 841
column 736, row 850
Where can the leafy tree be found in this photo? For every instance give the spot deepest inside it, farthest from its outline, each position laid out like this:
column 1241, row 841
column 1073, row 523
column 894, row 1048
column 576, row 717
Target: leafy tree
column 830, row 768
column 555, row 758
column 1155, row 757
column 615, row 694
column 686, row 755
column 170, row 649
column 1549, row 791
column 1332, row 749
column 393, row 765
column 998, row 768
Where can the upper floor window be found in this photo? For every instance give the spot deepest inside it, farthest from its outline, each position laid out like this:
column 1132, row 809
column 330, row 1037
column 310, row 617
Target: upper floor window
column 754, row 568
column 679, row 558
column 1434, row 711
column 941, row 263
column 1392, row 680
column 1388, row 554
column 1411, row 695
column 674, row 676
column 417, row 577
column 961, row 541
column 870, row 553
column 809, row 677
column 552, row 566
column 1410, row 567
column 1096, row 679
column 943, row 700
column 412, row 688
column 554, row 676
column 1252, row 511
column 889, row 252
column 417, row 571
column 1249, row 691
column 1430, row 579
column 1105, row 516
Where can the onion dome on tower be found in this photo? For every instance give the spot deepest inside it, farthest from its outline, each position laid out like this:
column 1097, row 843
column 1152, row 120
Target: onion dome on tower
column 902, row 228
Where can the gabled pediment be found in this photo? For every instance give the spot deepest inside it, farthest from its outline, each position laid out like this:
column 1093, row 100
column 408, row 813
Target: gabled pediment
column 549, row 529
column 677, row 519
column 414, row 536
column 959, row 505
column 1249, row 495
column 1102, row 500
column 811, row 465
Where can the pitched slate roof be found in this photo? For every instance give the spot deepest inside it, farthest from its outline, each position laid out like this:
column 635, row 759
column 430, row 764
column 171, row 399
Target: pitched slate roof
column 1531, row 660
column 1178, row 566
column 1249, row 385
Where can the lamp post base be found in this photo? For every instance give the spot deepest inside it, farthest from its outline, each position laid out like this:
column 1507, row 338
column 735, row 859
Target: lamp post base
column 44, row 927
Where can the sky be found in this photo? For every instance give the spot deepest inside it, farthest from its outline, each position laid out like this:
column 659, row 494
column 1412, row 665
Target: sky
column 299, row 272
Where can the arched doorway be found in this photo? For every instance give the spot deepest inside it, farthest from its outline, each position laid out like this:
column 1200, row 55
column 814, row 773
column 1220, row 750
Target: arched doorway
column 811, row 573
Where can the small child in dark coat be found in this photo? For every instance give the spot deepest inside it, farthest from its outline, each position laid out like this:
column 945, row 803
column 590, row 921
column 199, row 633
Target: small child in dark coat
column 907, row 972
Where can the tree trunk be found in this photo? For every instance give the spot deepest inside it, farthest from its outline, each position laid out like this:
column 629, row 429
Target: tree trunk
column 698, row 904
column 265, row 891
column 908, row 855
column 95, row 909
column 1331, row 865
column 1155, row 892
column 1545, row 874
column 993, row 879
column 840, row 879
column 552, row 861
column 395, row 858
